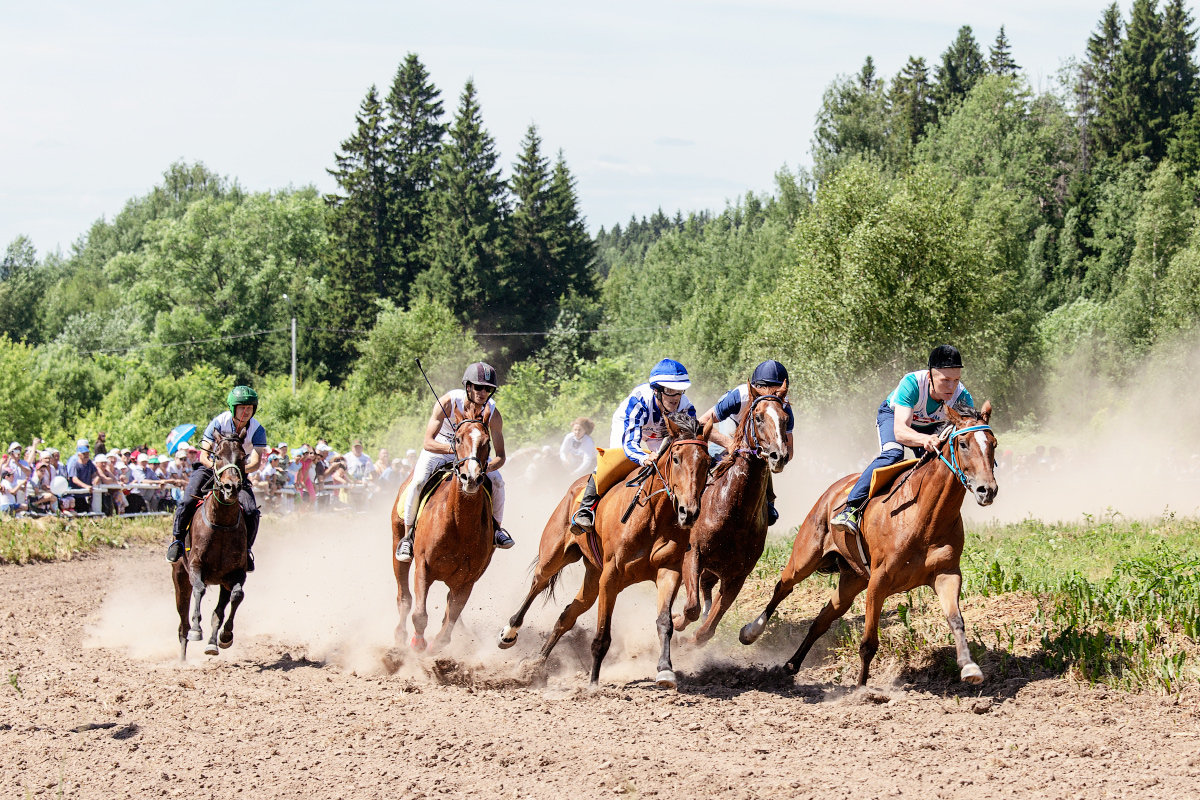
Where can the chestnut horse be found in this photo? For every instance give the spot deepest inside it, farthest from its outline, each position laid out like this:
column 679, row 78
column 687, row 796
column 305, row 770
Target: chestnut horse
column 648, row 545
column 453, row 538
column 914, row 538
column 216, row 552
column 731, row 531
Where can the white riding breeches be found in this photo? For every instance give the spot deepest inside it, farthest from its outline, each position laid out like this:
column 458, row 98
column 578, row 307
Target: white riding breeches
column 427, row 464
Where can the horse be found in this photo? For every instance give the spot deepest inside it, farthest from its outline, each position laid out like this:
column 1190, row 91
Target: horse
column 914, row 538
column 731, row 531
column 217, row 552
column 641, row 535
column 454, row 537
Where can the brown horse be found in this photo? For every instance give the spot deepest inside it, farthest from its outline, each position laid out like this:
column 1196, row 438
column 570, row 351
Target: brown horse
column 216, row 552
column 648, row 545
column 454, row 536
column 731, row 531
column 914, row 538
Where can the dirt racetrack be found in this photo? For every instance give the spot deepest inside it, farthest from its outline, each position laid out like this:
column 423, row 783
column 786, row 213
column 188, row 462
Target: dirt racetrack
column 96, row 704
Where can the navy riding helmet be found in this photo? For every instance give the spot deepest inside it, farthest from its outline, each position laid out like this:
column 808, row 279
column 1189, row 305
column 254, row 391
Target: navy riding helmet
column 945, row 356
column 769, row 373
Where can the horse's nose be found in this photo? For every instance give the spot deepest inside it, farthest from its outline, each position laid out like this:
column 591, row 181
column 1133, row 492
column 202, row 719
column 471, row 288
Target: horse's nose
column 686, row 514
column 985, row 494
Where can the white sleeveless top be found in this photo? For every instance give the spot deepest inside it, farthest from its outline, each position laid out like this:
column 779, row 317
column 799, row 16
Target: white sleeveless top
column 458, row 402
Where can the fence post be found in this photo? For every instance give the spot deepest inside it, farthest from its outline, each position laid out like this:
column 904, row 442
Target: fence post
column 97, row 504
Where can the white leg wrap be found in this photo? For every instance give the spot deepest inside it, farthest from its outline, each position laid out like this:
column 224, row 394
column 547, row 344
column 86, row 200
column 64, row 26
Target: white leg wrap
column 427, row 464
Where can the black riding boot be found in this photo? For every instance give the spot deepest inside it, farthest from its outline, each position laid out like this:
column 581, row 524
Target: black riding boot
column 252, row 521
column 184, row 511
column 584, row 520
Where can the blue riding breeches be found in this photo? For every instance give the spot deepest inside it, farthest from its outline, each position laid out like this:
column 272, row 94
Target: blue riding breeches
column 890, row 452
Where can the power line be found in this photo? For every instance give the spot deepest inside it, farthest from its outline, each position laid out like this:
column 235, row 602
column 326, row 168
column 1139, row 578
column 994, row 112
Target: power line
column 183, row 343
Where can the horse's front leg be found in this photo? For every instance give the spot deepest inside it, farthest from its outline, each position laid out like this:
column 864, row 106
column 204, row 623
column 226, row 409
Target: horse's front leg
column 196, row 633
column 874, row 609
column 236, row 593
column 725, row 597
column 218, row 617
column 691, row 585
column 609, row 589
column 667, row 581
column 947, row 585
column 455, row 603
column 183, row 596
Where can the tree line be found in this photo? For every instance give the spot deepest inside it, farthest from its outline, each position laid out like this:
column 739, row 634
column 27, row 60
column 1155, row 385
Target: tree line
column 1051, row 234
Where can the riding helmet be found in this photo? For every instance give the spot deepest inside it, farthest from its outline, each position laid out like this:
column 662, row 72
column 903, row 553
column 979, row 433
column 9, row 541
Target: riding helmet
column 669, row 374
column 769, row 373
column 480, row 374
column 945, row 356
column 241, row 396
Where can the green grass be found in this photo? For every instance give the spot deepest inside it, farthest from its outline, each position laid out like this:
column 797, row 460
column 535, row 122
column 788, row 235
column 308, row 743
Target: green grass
column 1108, row 600
column 54, row 539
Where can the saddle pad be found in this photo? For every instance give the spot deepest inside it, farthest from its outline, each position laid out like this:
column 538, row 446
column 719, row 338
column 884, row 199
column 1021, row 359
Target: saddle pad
column 882, row 478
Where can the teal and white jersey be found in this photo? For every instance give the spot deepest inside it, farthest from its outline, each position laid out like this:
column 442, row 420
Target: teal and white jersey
column 913, row 392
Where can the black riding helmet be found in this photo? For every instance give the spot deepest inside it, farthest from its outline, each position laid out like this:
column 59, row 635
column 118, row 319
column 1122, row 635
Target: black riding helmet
column 480, row 374
column 945, row 356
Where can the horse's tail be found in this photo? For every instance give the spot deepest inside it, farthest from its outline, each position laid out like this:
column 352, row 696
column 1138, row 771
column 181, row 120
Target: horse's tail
column 552, row 584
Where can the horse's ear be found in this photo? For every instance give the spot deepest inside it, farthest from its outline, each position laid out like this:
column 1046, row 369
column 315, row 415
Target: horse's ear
column 783, row 390
column 954, row 417
column 707, row 430
column 456, row 416
column 487, row 413
column 755, row 392
column 672, row 428
column 985, row 413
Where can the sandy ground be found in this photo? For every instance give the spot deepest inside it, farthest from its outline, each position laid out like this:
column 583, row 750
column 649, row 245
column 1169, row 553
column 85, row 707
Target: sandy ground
column 96, row 703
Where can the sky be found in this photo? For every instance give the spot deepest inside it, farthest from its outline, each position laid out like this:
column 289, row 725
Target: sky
column 678, row 105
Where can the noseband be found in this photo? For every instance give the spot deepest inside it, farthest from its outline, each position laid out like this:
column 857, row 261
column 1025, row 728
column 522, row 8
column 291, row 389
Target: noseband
column 654, row 464
column 460, row 461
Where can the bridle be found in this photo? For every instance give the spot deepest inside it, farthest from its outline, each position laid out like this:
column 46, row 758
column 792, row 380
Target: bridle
column 640, row 479
column 473, row 457
column 952, row 462
column 752, row 426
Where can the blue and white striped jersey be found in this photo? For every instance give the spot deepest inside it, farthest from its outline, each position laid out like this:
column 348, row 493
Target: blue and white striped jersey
column 637, row 424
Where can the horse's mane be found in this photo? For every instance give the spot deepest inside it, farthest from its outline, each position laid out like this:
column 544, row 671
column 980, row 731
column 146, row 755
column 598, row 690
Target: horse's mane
column 968, row 412
column 689, row 426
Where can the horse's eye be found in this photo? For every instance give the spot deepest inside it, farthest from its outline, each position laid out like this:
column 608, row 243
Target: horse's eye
column 674, row 459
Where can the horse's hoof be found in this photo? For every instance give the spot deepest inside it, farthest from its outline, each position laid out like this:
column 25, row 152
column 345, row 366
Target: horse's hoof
column 224, row 643
column 195, row 636
column 752, row 630
column 508, row 637
column 666, row 679
column 971, row 673
column 211, row 649
column 790, row 668
column 418, row 644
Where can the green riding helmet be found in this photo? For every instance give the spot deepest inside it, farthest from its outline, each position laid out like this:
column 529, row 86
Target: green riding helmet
column 241, row 396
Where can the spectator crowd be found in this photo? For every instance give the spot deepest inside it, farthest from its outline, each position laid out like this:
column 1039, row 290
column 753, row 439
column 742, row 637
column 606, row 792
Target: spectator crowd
column 35, row 480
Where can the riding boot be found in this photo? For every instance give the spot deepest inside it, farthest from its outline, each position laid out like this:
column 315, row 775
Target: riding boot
column 772, row 514
column 584, row 520
column 179, row 528
column 252, row 521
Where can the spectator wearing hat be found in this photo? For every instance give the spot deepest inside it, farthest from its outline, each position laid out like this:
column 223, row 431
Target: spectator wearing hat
column 139, row 473
column 81, row 470
column 113, row 501
column 358, row 464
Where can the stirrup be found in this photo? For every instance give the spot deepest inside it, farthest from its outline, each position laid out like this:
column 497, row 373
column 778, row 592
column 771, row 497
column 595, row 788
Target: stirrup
column 583, row 521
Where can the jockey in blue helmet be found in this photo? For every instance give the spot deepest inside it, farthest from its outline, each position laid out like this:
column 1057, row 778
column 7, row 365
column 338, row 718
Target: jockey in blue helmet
column 637, row 431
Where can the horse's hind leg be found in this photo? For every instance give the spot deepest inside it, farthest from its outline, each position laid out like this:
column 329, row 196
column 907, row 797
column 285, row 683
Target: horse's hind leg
column 420, row 616
column 608, row 600
column 235, row 595
column 804, row 560
column 870, row 641
column 848, row 588
column 218, row 618
column 404, row 601
column 947, row 585
column 543, row 576
column 668, row 585
column 582, row 602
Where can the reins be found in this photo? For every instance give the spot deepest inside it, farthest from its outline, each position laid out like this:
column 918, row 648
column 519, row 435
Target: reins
column 648, row 472
column 948, row 434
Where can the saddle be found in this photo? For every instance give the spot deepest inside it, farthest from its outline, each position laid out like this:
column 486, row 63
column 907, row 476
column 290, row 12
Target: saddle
column 854, row 548
column 442, row 474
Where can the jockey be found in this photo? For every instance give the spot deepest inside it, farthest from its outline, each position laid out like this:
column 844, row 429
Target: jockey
column 638, row 430
column 770, row 376
column 237, row 421
column 479, row 385
column 909, row 417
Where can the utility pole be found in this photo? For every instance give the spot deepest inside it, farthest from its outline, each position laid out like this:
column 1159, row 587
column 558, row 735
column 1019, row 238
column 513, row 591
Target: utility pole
column 292, row 308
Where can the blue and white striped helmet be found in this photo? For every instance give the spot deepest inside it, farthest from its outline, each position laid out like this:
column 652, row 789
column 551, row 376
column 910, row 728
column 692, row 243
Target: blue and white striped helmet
column 669, row 374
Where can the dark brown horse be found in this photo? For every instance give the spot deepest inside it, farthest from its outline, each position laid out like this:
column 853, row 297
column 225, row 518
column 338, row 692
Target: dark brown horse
column 453, row 537
column 730, row 533
column 647, row 546
column 914, row 538
column 216, row 553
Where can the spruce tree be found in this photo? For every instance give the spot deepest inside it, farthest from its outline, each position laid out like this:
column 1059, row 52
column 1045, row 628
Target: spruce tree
column 532, row 287
column 911, row 103
column 571, row 247
column 467, row 269
column 961, row 67
column 1096, row 90
column 362, row 238
column 1179, row 67
column 1142, row 117
column 414, row 136
column 1000, row 60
